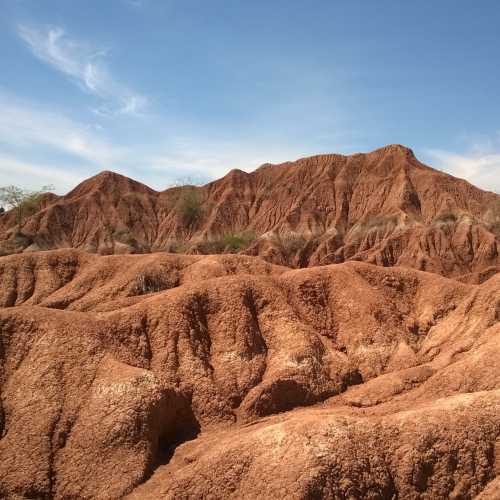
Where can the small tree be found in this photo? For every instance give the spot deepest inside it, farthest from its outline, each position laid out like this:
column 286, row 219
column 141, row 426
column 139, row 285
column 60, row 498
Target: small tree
column 190, row 207
column 23, row 202
column 237, row 242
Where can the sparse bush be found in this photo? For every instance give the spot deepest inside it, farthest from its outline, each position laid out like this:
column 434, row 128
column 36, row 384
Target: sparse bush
column 124, row 236
column 176, row 246
column 210, row 246
column 237, row 242
column 292, row 242
column 190, row 207
column 375, row 221
column 17, row 243
column 186, row 181
column 228, row 243
column 148, row 283
column 23, row 202
column 445, row 218
column 372, row 222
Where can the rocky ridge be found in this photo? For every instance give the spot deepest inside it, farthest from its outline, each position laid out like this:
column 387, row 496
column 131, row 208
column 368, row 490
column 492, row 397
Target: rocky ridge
column 326, row 328
column 383, row 207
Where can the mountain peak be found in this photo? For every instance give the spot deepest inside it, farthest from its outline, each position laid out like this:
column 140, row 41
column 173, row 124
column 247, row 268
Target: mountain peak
column 106, row 181
column 368, row 197
column 395, row 149
column 109, row 175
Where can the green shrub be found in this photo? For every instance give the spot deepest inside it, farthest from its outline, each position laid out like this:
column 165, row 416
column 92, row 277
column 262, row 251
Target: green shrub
column 189, row 207
column 176, row 246
column 237, row 242
column 227, row 243
column 24, row 203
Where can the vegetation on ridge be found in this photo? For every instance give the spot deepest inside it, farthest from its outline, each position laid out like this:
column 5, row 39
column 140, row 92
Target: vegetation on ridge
column 190, row 208
column 22, row 201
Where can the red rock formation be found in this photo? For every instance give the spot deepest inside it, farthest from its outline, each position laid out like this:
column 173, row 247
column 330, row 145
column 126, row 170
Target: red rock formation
column 165, row 376
column 384, row 207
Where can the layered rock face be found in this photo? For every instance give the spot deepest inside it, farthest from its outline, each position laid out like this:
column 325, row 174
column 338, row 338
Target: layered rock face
column 191, row 376
column 340, row 340
column 384, row 208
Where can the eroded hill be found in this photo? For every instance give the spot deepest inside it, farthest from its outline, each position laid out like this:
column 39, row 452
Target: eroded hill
column 166, row 376
column 383, row 207
column 325, row 328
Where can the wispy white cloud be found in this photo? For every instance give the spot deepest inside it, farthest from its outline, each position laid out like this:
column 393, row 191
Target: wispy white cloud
column 32, row 175
column 32, row 135
column 133, row 105
column 203, row 160
column 85, row 65
column 479, row 167
column 30, row 132
column 25, row 125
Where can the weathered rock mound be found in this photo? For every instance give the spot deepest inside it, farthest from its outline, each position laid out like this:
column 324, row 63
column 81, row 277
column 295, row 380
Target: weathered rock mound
column 383, row 207
column 240, row 379
column 72, row 279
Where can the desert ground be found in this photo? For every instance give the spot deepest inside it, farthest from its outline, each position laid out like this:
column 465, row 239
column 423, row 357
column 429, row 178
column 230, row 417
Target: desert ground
column 324, row 328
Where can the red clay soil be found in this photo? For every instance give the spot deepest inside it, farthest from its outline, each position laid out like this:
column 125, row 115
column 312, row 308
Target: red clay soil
column 384, row 208
column 189, row 376
column 322, row 361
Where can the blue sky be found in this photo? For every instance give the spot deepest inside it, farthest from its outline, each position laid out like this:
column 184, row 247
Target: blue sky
column 168, row 90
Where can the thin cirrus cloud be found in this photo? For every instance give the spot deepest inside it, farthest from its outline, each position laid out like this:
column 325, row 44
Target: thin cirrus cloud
column 479, row 168
column 25, row 126
column 85, row 66
column 30, row 131
column 72, row 150
column 33, row 175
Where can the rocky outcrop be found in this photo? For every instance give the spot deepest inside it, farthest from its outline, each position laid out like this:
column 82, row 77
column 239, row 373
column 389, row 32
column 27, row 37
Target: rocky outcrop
column 383, row 207
column 331, row 358
column 167, row 376
column 439, row 450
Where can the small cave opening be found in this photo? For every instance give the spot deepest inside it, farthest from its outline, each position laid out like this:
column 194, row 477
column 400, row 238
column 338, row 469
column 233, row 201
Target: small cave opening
column 185, row 427
column 352, row 377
